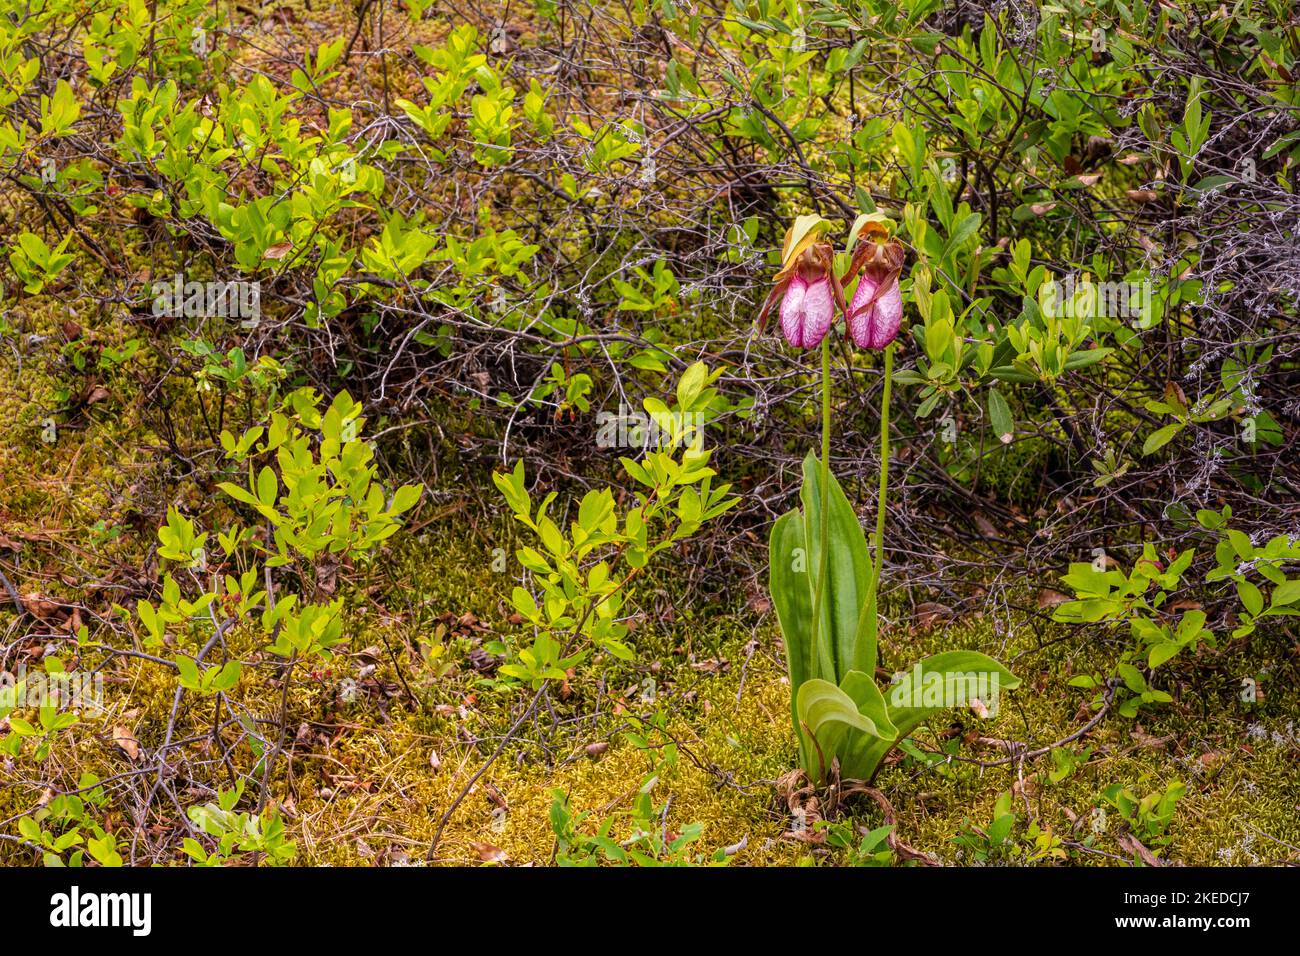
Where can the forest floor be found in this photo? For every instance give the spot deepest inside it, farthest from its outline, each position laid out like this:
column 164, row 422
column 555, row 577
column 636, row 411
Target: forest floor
column 386, row 738
column 409, row 712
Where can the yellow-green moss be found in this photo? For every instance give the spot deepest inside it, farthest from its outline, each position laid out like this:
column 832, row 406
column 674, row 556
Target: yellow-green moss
column 741, row 736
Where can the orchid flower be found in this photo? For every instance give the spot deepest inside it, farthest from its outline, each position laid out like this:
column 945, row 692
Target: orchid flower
column 876, row 312
column 806, row 286
column 828, row 611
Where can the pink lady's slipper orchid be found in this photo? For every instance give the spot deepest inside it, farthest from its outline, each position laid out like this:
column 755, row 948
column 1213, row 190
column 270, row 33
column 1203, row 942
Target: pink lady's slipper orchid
column 876, row 311
column 808, row 308
column 807, row 288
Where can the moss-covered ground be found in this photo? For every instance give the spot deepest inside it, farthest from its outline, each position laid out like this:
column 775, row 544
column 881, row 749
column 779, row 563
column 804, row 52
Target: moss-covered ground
column 394, row 729
column 723, row 685
column 372, row 769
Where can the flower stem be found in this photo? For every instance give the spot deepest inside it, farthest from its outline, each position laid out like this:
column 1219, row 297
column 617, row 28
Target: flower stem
column 824, row 569
column 884, row 473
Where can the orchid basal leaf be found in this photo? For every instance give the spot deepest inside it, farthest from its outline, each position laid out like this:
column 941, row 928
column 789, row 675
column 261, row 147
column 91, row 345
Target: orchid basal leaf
column 831, row 716
column 900, row 697
column 850, row 574
column 792, row 598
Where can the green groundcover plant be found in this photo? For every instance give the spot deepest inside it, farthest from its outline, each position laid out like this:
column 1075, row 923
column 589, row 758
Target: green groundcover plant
column 822, row 578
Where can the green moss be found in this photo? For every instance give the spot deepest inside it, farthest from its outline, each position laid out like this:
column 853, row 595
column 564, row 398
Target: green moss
column 360, row 784
column 729, row 714
column 367, row 777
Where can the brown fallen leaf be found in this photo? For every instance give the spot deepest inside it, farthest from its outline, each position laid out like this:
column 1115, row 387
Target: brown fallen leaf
column 1049, row 598
column 126, row 741
column 985, row 526
column 489, row 853
column 40, row 608
column 928, row 612
column 1210, row 759
column 1097, row 150
column 327, row 575
column 495, row 796
column 1149, row 741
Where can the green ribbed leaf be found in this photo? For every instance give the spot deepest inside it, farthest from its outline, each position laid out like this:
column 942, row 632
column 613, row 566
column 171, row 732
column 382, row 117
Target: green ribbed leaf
column 898, row 699
column 788, row 583
column 870, row 702
column 832, row 718
column 853, row 744
column 850, row 575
